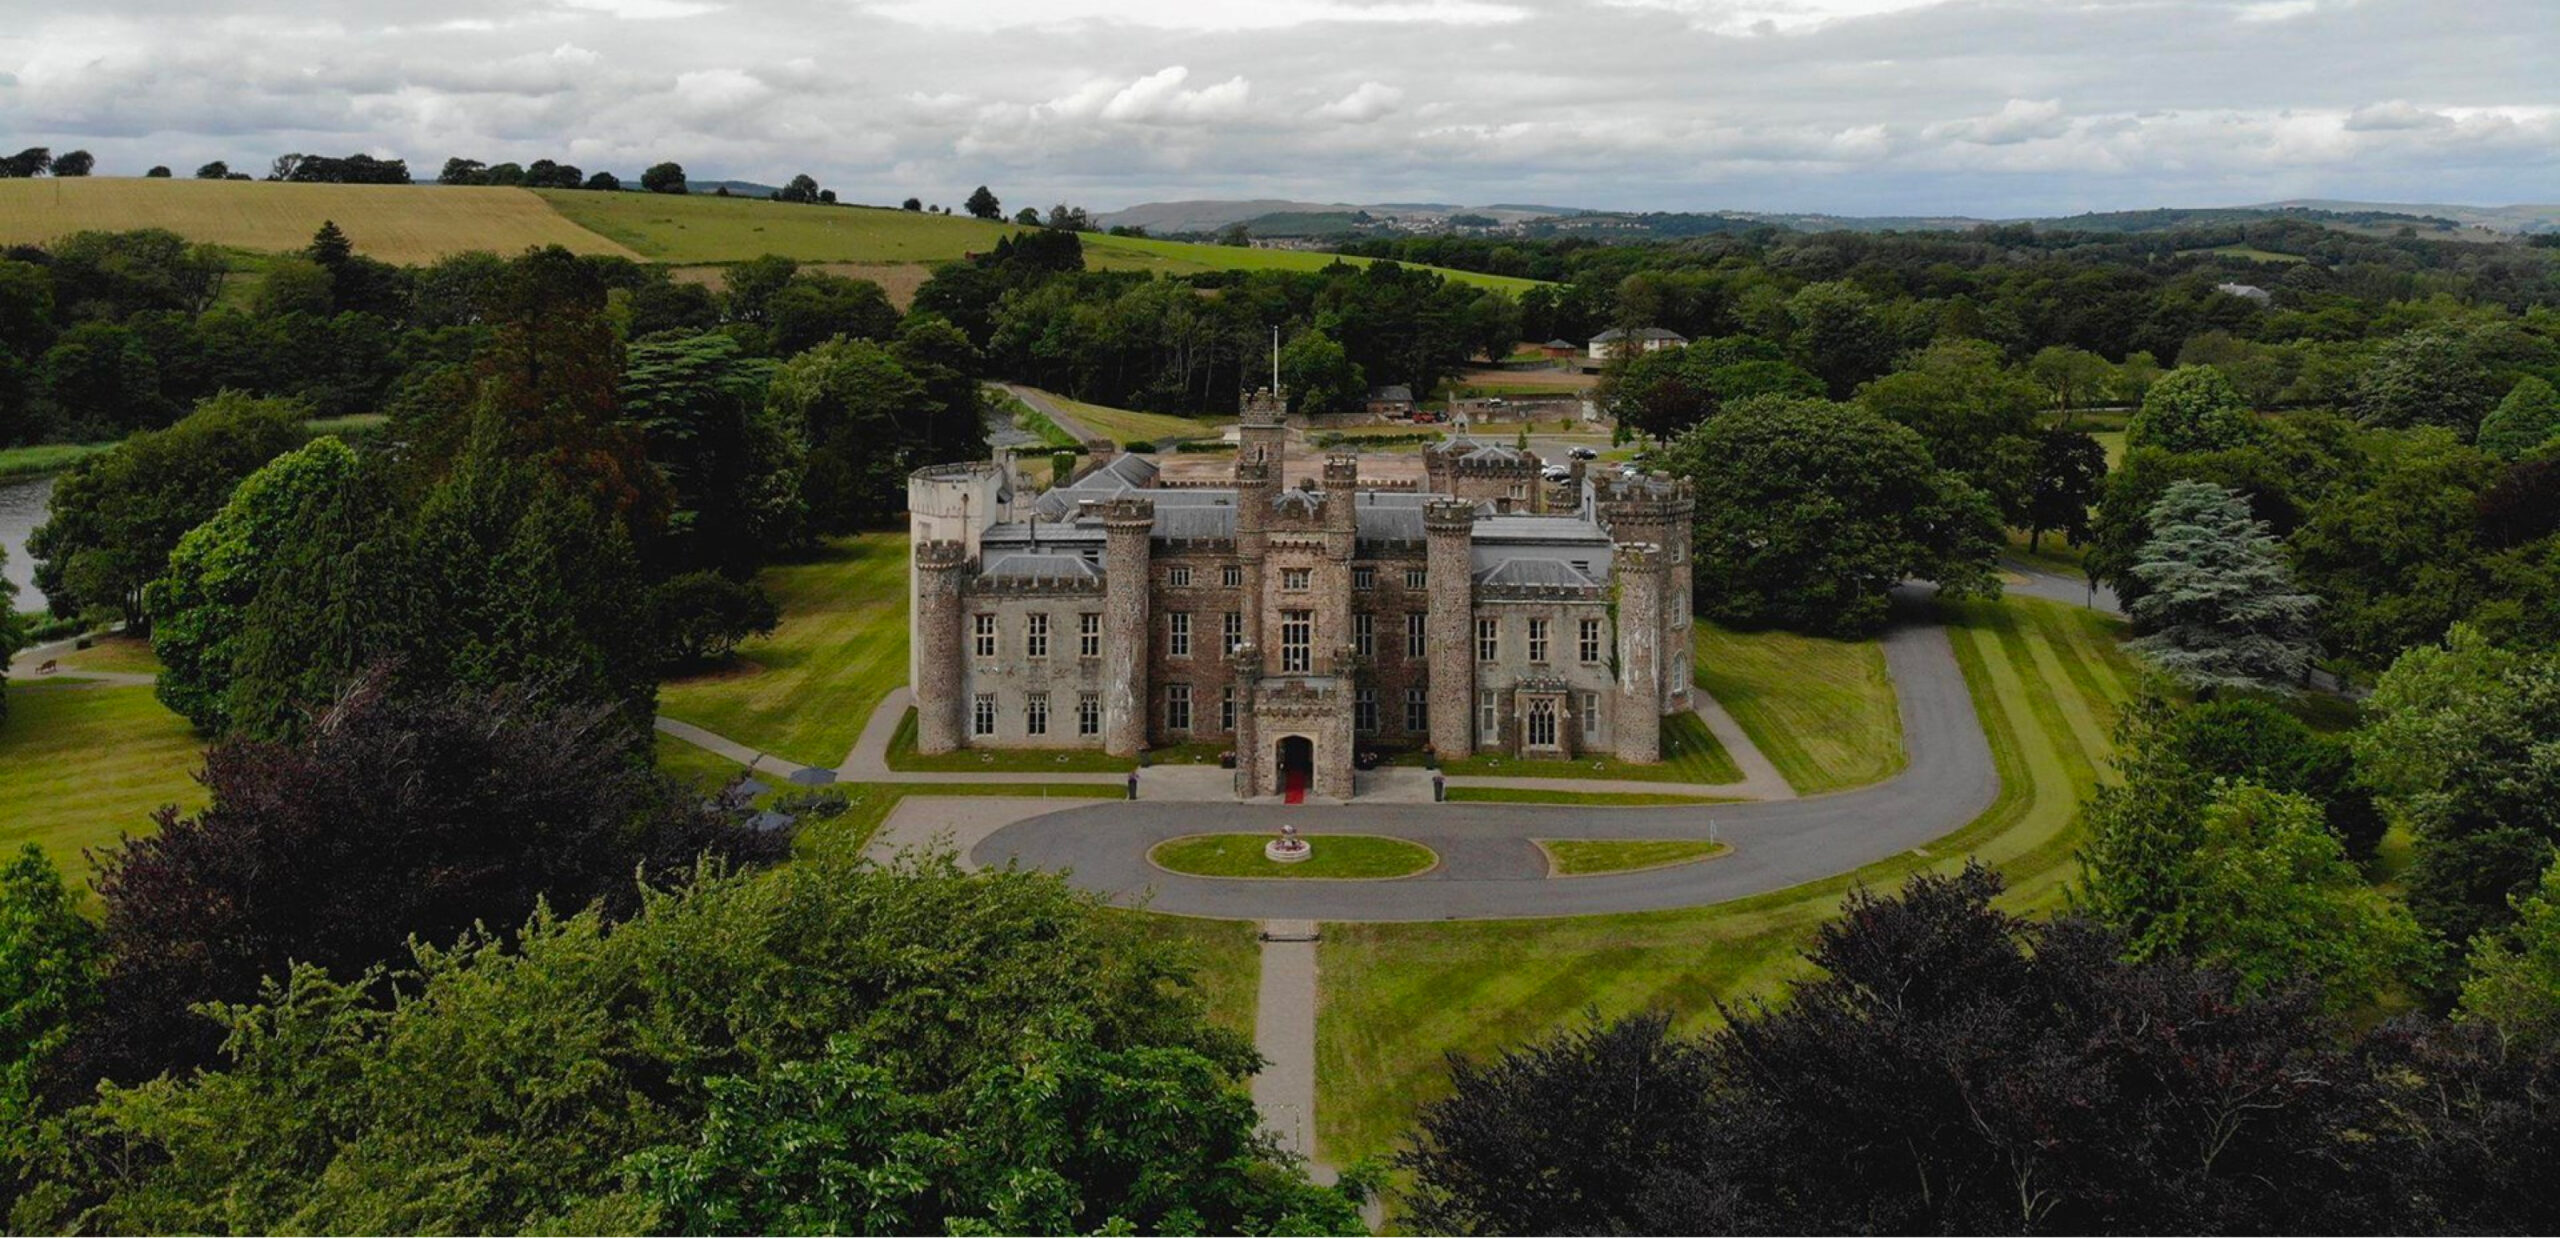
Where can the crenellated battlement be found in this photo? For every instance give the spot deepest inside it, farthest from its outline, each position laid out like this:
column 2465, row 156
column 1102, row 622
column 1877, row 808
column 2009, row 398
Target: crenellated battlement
column 942, row 553
column 1036, row 587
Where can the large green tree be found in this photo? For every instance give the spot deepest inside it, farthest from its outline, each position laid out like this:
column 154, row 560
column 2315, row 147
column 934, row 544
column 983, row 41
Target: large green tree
column 116, row 516
column 1320, row 375
column 50, row 962
column 863, row 417
column 733, row 463
column 1810, row 512
column 1977, row 415
column 2191, row 409
column 2527, row 419
column 2514, row 973
column 2219, row 608
column 830, row 1047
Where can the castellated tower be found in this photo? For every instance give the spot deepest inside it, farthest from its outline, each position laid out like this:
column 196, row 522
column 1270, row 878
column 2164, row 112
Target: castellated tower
column 1659, row 512
column 1449, row 527
column 1638, row 572
column 1127, row 525
column 1244, row 664
column 941, row 566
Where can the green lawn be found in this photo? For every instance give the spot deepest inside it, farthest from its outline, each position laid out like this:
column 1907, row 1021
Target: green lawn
column 706, row 228
column 1823, row 711
column 1228, row 962
column 1542, row 796
column 80, row 766
column 113, row 652
column 1690, row 755
column 1127, row 426
column 2046, row 680
column 1619, row 856
column 805, row 692
column 46, row 458
column 1239, row 855
column 903, row 757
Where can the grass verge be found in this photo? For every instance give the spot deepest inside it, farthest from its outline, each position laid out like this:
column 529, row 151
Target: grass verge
column 805, row 692
column 1823, row 711
column 1690, row 755
column 2046, row 682
column 81, row 766
column 1239, row 855
column 1545, row 796
column 1569, row 857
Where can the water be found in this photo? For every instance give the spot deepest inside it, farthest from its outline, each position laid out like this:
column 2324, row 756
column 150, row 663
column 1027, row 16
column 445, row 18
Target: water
column 22, row 509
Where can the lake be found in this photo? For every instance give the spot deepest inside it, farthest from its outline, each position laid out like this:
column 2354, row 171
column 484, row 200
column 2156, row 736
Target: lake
column 22, row 505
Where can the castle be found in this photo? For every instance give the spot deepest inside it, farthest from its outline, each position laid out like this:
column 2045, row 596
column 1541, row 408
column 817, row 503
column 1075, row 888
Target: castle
column 1483, row 609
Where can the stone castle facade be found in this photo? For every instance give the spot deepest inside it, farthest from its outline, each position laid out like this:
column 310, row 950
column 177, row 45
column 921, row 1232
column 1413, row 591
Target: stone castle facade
column 1300, row 624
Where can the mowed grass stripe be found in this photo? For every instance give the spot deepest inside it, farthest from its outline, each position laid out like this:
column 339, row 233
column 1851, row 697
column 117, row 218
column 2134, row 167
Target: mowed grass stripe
column 81, row 766
column 1823, row 711
column 805, row 692
column 405, row 224
column 1398, row 996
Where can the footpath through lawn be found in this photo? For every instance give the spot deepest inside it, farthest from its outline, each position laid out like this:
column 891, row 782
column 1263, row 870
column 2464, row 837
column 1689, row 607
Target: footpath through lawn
column 2046, row 680
column 1822, row 710
column 805, row 692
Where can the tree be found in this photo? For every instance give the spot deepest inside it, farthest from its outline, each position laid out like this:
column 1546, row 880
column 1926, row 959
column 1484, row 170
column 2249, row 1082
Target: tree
column 31, row 162
column 1977, row 416
column 813, row 306
column 1320, row 375
column 460, row 171
column 398, row 818
column 2219, row 608
column 1949, row 1069
column 215, row 170
column 665, row 178
column 1809, row 513
column 1562, row 1136
column 833, row 1046
column 912, row 204
column 49, row 967
column 2527, row 419
column 700, row 617
column 2076, row 378
column 803, row 188
column 1493, row 324
column 1072, row 219
column 2431, row 376
column 329, row 247
column 2071, row 472
column 2398, row 559
column 983, row 205
column 2455, row 746
column 2246, row 739
column 117, row 516
column 2514, row 982
column 2192, row 409
column 1839, row 336
column 603, row 182
column 859, row 411
column 733, row 463
column 158, row 172
column 1028, row 217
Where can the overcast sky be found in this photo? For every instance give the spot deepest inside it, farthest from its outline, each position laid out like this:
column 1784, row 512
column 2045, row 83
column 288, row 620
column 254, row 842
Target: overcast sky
column 1985, row 107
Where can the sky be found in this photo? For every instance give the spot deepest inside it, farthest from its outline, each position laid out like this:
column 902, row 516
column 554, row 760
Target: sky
column 1994, row 108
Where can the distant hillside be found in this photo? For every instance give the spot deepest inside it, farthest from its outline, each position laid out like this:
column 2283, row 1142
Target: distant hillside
column 394, row 223
column 2521, row 218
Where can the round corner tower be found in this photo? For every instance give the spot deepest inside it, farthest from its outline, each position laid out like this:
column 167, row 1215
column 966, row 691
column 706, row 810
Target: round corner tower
column 1638, row 571
column 1128, row 527
column 941, row 567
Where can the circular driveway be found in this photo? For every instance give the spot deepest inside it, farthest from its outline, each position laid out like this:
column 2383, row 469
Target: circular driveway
column 1489, row 867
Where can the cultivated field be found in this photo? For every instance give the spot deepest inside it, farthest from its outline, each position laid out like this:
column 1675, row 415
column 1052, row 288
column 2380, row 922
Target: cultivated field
column 1109, row 253
column 394, row 223
column 700, row 228
column 899, row 280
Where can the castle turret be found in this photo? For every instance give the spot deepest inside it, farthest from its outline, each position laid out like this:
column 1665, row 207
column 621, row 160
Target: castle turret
column 1657, row 512
column 1128, row 525
column 1244, row 663
column 940, row 567
column 1342, row 504
column 1637, row 571
column 1449, row 526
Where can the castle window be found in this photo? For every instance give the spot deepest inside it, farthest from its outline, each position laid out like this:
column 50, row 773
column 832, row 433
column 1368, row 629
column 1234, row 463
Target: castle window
column 1177, row 634
column 1364, row 635
column 1590, row 718
column 1035, row 635
column 1542, row 723
column 1413, row 579
column 1294, row 578
column 1177, row 576
column 1231, row 632
column 1488, row 640
column 1227, row 709
column 1537, row 640
column 982, row 715
column 986, row 635
column 1088, row 715
column 1417, row 641
column 1035, row 715
column 1590, row 651
column 1177, row 708
column 1089, row 635
column 1489, row 717
column 1417, row 710
column 1297, row 632
column 1364, row 710
column 1364, row 579
column 1232, row 576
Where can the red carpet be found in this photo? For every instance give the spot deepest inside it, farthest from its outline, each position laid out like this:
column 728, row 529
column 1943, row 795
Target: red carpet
column 1293, row 787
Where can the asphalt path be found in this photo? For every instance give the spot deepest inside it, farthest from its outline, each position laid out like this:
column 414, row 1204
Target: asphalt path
column 1489, row 865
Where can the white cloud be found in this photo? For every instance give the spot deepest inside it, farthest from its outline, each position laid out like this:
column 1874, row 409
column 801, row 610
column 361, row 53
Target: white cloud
column 1367, row 102
column 2019, row 120
column 2395, row 114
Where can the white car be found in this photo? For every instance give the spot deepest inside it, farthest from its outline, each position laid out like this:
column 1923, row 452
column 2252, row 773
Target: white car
column 1558, row 473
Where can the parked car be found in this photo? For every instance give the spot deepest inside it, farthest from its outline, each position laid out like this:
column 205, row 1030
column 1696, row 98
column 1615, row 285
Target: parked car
column 1558, row 473
column 1585, row 454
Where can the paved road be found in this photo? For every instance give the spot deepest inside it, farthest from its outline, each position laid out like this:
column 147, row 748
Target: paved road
column 1049, row 407
column 1489, row 867
column 2074, row 590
